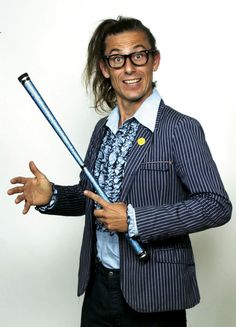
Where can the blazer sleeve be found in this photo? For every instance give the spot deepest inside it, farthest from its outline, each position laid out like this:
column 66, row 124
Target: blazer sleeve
column 69, row 201
column 206, row 205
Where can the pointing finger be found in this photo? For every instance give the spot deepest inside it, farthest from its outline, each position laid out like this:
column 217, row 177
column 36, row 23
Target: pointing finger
column 96, row 198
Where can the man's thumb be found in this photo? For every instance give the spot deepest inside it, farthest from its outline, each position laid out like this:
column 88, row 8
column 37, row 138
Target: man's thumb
column 33, row 168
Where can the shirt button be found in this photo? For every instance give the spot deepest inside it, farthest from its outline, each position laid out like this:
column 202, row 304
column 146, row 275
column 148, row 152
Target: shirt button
column 110, row 274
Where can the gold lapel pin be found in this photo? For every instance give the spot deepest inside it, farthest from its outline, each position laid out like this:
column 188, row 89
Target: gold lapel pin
column 141, row 141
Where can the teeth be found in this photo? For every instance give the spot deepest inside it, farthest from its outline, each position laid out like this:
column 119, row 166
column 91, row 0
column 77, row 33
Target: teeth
column 131, row 81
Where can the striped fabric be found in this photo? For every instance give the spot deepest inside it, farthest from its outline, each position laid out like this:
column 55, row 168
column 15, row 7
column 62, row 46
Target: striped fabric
column 175, row 188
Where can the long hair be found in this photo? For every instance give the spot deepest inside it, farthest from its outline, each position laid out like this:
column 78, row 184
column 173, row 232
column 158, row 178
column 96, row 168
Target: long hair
column 103, row 92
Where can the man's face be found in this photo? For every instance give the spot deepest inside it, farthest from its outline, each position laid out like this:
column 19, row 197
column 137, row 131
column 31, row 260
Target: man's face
column 131, row 83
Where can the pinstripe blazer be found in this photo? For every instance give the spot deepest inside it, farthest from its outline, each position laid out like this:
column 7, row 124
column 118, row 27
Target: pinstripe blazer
column 175, row 188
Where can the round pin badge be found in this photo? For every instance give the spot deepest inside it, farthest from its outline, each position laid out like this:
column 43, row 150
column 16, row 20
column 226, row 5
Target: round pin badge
column 141, row 141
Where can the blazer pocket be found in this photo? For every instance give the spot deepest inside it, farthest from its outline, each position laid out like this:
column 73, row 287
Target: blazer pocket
column 179, row 255
column 156, row 165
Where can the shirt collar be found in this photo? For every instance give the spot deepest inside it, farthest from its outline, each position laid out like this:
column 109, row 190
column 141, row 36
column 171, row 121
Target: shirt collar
column 145, row 115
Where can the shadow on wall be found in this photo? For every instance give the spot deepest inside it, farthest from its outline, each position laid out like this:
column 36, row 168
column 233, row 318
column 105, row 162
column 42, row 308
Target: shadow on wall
column 212, row 249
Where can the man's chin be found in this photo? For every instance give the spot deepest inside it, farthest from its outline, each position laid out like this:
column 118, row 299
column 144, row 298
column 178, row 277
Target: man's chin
column 137, row 98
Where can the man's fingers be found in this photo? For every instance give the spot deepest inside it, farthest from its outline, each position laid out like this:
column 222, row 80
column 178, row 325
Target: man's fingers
column 96, row 198
column 22, row 180
column 14, row 190
column 26, row 208
column 20, row 198
column 99, row 213
column 18, row 180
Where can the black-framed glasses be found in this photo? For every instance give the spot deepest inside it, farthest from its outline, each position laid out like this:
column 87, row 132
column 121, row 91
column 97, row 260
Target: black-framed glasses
column 139, row 58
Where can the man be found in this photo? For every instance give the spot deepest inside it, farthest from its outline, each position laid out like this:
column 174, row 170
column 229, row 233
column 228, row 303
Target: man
column 156, row 169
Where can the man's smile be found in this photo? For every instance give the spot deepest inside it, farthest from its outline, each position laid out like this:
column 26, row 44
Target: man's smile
column 132, row 81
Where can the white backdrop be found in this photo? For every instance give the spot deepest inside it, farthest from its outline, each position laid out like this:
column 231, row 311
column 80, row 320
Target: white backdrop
column 48, row 39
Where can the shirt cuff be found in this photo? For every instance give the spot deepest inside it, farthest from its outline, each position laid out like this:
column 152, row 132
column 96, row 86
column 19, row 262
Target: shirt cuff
column 51, row 203
column 132, row 224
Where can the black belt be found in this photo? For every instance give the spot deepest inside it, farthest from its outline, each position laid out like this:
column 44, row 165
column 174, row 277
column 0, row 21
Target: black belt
column 107, row 272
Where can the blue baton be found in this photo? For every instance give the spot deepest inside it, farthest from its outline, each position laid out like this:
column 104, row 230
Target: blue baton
column 35, row 95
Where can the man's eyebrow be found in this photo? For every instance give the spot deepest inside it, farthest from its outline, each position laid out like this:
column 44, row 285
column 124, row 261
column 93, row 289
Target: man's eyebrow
column 115, row 50
column 119, row 51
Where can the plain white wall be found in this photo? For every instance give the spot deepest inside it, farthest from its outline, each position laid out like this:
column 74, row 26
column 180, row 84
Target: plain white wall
column 48, row 39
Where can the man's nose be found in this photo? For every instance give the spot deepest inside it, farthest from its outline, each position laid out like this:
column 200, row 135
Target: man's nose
column 129, row 67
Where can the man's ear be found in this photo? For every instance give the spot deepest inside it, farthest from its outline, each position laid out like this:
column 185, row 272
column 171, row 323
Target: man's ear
column 104, row 69
column 156, row 61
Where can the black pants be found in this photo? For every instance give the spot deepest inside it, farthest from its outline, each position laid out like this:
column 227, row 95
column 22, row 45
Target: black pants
column 105, row 306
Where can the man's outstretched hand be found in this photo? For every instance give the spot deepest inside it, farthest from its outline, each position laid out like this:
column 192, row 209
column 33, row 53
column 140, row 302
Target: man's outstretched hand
column 34, row 191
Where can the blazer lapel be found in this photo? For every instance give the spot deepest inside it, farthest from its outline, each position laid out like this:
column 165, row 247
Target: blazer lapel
column 142, row 143
column 97, row 140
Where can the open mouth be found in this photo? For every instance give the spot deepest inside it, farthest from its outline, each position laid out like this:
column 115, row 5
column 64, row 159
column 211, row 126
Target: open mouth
column 132, row 81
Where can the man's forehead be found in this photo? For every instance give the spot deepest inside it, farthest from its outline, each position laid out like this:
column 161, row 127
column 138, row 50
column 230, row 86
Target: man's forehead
column 126, row 41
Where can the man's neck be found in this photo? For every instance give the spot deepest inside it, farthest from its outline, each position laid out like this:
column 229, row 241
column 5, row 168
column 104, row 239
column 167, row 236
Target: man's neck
column 125, row 115
column 127, row 109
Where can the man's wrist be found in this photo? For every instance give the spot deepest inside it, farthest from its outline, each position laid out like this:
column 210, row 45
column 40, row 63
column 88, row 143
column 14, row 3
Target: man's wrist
column 52, row 201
